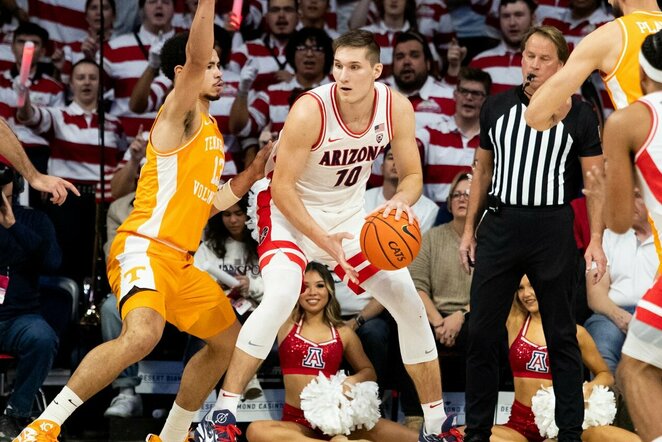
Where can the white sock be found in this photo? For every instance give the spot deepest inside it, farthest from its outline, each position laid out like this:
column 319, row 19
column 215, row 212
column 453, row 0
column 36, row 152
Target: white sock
column 434, row 415
column 177, row 424
column 62, row 406
column 128, row 391
column 227, row 401
column 657, row 439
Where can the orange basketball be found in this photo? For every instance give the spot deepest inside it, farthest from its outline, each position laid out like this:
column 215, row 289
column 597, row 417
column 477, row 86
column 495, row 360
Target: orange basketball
column 389, row 244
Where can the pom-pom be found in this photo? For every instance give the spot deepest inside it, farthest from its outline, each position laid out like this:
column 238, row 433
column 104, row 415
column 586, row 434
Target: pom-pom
column 251, row 211
column 542, row 405
column 365, row 404
column 325, row 405
column 601, row 408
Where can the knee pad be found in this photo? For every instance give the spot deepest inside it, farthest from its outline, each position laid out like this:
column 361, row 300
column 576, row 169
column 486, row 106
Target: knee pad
column 397, row 293
column 282, row 286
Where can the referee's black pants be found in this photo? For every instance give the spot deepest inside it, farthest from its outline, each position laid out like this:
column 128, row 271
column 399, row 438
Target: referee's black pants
column 538, row 242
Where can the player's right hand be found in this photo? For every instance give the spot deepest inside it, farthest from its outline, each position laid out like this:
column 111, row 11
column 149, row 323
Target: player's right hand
column 467, row 251
column 332, row 244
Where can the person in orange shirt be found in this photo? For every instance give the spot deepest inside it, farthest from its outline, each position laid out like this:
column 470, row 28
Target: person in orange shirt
column 150, row 264
column 613, row 49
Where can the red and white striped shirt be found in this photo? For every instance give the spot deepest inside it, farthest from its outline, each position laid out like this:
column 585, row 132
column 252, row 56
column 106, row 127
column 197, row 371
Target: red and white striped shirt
column 272, row 106
column 63, row 19
column 385, row 38
column 435, row 98
column 503, row 64
column 124, row 63
column 266, row 55
column 434, row 22
column 44, row 91
column 74, row 140
column 447, row 152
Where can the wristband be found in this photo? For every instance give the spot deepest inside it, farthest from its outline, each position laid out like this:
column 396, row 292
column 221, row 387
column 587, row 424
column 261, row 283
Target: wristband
column 225, row 198
column 360, row 320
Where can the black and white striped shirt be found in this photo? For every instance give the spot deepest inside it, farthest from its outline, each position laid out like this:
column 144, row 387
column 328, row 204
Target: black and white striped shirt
column 534, row 168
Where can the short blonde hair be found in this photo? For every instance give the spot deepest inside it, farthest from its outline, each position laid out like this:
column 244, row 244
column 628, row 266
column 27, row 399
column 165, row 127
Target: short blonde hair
column 553, row 35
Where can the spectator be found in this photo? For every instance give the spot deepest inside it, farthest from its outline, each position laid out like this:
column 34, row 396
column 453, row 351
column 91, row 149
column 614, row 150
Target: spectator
column 11, row 15
column 469, row 19
column 73, row 134
column 229, row 252
column 128, row 17
column 43, row 91
column 435, row 22
column 444, row 289
column 315, row 14
column 530, row 364
column 28, row 248
column 632, row 267
column 267, row 55
column 309, row 52
column 64, row 58
column 127, row 403
column 126, row 57
column 125, row 177
column 63, row 19
column 504, row 61
column 425, row 209
column 395, row 16
column 451, row 142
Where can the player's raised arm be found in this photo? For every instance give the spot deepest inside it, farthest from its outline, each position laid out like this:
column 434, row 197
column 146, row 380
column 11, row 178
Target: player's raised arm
column 189, row 78
column 595, row 51
column 407, row 158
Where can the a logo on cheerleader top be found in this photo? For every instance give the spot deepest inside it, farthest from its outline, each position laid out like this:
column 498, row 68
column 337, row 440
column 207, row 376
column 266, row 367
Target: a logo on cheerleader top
column 538, row 362
column 314, row 358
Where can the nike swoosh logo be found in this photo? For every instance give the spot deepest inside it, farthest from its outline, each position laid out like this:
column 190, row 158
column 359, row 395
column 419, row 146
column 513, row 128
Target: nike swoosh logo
column 333, row 140
column 254, row 345
column 436, row 405
column 427, row 352
column 405, row 229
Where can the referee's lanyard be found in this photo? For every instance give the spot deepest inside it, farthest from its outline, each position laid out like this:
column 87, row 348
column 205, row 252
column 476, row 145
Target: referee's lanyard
column 4, row 283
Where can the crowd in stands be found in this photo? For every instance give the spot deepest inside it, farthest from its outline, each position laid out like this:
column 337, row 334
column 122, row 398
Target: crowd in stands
column 445, row 56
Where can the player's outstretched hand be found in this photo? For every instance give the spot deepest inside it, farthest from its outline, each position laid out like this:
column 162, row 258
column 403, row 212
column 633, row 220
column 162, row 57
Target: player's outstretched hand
column 332, row 244
column 467, row 251
column 57, row 187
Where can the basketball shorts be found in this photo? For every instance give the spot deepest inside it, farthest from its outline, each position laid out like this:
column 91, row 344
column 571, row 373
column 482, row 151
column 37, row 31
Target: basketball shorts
column 644, row 339
column 276, row 234
column 293, row 414
column 522, row 420
column 145, row 273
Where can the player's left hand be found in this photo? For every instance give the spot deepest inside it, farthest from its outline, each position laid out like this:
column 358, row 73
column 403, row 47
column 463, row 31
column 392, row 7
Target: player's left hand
column 259, row 163
column 398, row 206
column 56, row 187
column 595, row 260
column 332, row 244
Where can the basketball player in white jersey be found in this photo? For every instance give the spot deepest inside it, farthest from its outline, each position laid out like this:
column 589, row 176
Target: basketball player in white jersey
column 636, row 133
column 313, row 210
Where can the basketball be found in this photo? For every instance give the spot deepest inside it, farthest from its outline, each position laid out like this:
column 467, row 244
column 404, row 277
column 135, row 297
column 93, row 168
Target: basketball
column 389, row 244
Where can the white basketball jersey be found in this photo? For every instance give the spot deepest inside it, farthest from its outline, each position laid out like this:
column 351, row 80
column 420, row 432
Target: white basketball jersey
column 339, row 163
column 649, row 161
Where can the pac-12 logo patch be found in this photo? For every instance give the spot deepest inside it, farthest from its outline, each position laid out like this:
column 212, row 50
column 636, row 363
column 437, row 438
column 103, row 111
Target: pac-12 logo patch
column 263, row 234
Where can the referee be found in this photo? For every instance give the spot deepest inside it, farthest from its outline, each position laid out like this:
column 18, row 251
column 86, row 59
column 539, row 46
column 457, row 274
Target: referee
column 520, row 222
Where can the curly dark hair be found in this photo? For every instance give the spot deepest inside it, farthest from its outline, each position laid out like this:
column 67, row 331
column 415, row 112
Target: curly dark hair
column 216, row 234
column 173, row 54
column 319, row 36
column 652, row 49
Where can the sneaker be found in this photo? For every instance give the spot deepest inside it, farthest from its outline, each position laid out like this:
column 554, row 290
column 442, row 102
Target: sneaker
column 448, row 432
column 124, row 405
column 41, row 430
column 9, row 427
column 253, row 389
column 152, row 438
column 221, row 426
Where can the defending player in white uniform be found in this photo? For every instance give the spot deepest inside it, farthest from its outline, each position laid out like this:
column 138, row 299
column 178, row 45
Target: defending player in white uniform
column 313, row 210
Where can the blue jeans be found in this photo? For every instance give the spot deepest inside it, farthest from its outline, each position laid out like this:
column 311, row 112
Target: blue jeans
column 34, row 344
column 111, row 327
column 608, row 338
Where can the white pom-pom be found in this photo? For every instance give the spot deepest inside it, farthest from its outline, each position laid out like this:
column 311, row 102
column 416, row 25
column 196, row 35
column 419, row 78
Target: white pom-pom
column 325, row 406
column 251, row 212
column 365, row 404
column 601, row 408
column 542, row 405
